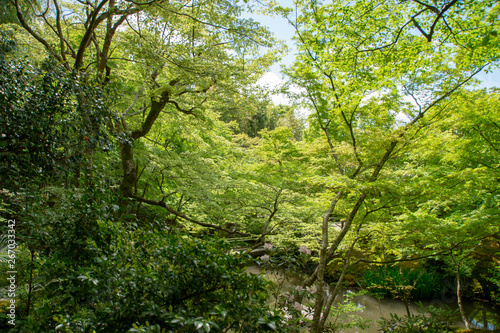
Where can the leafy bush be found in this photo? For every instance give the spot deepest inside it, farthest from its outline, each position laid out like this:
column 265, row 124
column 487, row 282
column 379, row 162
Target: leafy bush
column 343, row 315
column 284, row 267
column 495, row 279
column 109, row 276
column 45, row 130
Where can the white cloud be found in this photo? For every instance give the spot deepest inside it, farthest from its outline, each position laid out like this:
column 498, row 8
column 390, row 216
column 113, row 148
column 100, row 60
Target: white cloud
column 270, row 79
column 273, row 81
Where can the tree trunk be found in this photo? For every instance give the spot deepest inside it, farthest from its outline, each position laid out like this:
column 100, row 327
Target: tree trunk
column 459, row 299
column 323, row 261
column 129, row 169
column 333, row 294
column 459, row 292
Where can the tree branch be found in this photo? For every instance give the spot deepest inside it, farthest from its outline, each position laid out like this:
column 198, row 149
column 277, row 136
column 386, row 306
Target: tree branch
column 25, row 25
column 185, row 217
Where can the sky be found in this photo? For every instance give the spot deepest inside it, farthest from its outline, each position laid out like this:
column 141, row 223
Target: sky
column 284, row 31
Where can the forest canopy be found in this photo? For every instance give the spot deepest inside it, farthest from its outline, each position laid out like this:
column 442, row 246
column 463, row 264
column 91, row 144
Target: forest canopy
column 144, row 168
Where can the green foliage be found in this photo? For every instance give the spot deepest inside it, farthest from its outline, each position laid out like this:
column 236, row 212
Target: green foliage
column 495, row 278
column 45, row 132
column 393, row 281
column 25, row 266
column 251, row 114
column 283, row 266
column 344, row 315
column 93, row 275
column 7, row 13
column 174, row 82
column 430, row 319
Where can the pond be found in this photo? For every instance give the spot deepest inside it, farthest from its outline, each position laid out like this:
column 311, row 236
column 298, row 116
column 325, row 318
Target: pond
column 480, row 315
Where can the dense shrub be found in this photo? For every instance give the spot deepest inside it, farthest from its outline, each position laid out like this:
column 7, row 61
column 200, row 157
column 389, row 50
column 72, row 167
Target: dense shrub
column 93, row 274
column 50, row 119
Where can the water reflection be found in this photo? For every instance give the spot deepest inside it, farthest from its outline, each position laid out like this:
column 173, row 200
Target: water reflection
column 480, row 315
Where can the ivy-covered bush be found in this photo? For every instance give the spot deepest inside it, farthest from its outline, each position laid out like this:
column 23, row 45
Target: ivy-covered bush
column 51, row 119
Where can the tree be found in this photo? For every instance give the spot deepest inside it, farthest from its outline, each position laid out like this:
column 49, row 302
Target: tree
column 453, row 171
column 162, row 59
column 373, row 82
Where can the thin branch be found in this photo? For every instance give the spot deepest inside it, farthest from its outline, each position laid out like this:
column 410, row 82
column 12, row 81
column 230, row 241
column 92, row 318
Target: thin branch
column 239, row 31
column 427, row 6
column 177, row 106
column 90, row 24
column 25, row 25
column 137, row 95
column 353, row 138
column 325, row 130
column 269, row 219
column 414, row 99
column 486, row 139
column 446, row 95
column 59, row 30
column 335, row 291
column 394, row 42
column 93, row 22
column 185, row 217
